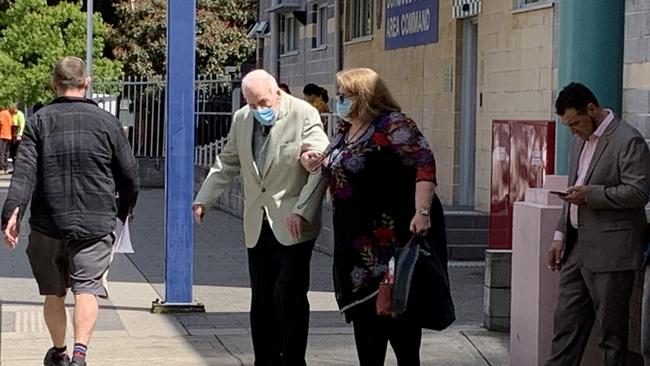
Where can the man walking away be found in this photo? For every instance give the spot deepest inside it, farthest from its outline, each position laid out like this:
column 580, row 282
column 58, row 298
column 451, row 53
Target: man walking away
column 72, row 161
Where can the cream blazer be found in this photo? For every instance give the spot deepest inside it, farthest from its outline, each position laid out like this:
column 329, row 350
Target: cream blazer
column 282, row 186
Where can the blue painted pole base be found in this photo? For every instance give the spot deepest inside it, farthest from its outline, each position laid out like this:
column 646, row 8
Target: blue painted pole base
column 161, row 307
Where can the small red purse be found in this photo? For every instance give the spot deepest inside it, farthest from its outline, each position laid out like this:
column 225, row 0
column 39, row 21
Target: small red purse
column 383, row 303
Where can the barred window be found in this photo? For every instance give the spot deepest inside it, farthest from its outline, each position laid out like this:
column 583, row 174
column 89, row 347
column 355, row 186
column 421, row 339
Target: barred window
column 321, row 25
column 359, row 19
column 289, row 37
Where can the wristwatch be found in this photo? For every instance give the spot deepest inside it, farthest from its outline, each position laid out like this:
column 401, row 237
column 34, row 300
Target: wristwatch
column 423, row 211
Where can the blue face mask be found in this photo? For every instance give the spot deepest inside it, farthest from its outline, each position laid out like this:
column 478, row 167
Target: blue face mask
column 265, row 116
column 343, row 107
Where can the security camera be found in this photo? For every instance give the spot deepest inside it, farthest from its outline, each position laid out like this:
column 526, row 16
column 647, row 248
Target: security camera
column 259, row 29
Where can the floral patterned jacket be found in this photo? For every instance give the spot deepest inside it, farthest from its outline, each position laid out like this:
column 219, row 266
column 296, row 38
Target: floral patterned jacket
column 372, row 185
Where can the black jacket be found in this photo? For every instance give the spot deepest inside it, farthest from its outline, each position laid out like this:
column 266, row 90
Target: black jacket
column 72, row 161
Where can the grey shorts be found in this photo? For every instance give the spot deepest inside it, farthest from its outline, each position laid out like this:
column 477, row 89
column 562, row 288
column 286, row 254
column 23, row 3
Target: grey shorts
column 78, row 264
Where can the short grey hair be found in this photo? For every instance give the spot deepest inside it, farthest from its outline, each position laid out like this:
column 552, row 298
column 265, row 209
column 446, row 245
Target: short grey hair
column 70, row 73
column 259, row 75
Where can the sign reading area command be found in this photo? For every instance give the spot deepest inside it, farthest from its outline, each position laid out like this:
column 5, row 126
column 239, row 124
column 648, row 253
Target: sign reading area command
column 411, row 23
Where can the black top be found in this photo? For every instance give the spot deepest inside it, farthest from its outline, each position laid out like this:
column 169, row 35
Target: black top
column 72, row 161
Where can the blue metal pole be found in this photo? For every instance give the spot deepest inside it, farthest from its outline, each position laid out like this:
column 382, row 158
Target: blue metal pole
column 591, row 52
column 179, row 161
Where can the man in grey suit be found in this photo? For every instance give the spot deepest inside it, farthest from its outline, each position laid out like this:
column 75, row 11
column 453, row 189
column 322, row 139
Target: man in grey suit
column 600, row 235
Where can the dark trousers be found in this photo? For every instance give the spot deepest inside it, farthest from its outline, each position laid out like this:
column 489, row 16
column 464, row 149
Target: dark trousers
column 4, row 153
column 373, row 333
column 645, row 316
column 279, row 316
column 14, row 148
column 586, row 297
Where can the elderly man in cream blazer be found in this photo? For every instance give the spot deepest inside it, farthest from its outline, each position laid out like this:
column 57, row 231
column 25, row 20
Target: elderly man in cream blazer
column 281, row 211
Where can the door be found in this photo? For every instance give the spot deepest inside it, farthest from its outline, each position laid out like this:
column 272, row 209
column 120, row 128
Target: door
column 468, row 113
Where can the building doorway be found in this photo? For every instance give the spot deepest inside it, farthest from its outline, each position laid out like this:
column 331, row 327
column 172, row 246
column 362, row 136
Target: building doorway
column 468, row 113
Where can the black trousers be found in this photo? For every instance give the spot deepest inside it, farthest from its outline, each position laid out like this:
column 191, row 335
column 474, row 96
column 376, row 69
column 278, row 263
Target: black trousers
column 14, row 148
column 4, row 153
column 372, row 334
column 279, row 315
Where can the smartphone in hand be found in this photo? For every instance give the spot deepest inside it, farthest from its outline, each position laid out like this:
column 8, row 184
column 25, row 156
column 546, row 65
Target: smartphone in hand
column 560, row 193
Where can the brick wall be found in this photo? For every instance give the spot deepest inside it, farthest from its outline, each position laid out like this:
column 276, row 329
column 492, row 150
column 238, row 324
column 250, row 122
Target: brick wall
column 636, row 72
column 309, row 64
column 636, row 111
column 515, row 74
column 416, row 78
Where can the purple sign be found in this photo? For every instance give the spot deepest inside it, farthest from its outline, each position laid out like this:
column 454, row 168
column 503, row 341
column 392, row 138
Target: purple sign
column 410, row 23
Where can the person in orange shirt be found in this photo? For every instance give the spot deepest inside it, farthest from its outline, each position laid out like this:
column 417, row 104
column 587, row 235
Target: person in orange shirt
column 6, row 120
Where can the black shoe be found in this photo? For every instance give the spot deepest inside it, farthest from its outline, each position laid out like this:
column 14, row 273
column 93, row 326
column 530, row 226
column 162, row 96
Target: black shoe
column 52, row 358
column 77, row 362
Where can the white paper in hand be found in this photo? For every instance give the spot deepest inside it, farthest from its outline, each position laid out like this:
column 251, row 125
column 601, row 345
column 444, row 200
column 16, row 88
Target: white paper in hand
column 123, row 237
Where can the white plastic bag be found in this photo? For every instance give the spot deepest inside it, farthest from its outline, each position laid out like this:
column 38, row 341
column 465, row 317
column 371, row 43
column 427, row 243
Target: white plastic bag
column 123, row 237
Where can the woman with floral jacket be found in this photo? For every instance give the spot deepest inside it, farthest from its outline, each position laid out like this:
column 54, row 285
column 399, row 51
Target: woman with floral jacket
column 381, row 176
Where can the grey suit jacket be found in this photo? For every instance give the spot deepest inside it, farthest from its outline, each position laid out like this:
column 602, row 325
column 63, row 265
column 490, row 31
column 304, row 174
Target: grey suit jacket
column 282, row 186
column 611, row 225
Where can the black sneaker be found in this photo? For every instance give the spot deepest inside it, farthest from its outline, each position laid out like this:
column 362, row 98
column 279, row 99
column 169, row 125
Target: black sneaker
column 52, row 358
column 77, row 362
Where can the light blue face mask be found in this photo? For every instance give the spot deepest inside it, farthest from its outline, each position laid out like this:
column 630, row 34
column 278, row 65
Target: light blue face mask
column 265, row 116
column 343, row 107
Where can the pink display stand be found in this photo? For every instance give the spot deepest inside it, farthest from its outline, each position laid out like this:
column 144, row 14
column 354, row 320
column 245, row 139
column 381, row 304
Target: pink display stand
column 534, row 286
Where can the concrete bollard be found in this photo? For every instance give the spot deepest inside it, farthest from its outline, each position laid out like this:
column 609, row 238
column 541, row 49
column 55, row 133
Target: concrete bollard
column 496, row 289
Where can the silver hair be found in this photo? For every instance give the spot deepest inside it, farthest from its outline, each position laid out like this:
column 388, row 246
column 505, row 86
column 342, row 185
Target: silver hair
column 259, row 75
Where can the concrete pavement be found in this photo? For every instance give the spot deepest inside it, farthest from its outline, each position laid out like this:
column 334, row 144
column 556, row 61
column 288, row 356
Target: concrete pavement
column 128, row 334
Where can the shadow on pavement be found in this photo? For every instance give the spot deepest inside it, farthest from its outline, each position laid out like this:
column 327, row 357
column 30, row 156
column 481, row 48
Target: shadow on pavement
column 221, row 283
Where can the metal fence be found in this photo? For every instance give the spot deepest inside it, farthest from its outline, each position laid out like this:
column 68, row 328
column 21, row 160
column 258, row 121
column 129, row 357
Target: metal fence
column 140, row 104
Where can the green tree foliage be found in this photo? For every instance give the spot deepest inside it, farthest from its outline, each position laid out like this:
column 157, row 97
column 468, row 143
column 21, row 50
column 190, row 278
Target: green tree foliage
column 5, row 4
column 139, row 38
column 34, row 36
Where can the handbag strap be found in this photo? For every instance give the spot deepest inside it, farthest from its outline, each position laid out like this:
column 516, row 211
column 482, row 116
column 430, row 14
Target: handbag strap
column 414, row 240
column 419, row 240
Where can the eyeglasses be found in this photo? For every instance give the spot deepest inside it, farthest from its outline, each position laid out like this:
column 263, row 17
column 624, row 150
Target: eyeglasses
column 340, row 97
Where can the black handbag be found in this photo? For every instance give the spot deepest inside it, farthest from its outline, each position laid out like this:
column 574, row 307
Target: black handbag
column 421, row 290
